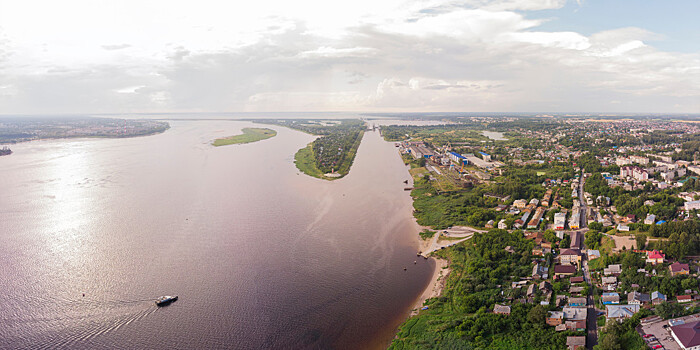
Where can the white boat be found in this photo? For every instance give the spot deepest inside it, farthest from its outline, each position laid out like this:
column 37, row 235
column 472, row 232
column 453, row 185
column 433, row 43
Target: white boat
column 165, row 300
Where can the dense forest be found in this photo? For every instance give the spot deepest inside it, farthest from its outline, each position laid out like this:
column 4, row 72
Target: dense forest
column 462, row 319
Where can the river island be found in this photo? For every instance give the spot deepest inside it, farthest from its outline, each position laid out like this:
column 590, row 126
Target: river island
column 249, row 135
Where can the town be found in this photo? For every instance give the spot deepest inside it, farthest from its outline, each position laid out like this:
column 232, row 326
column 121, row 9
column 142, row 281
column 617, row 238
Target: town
column 21, row 129
column 604, row 213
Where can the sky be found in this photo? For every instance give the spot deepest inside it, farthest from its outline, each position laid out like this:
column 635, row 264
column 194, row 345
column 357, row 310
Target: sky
column 585, row 56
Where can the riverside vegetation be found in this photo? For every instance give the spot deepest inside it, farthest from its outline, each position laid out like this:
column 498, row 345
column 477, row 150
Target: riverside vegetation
column 249, row 135
column 333, row 152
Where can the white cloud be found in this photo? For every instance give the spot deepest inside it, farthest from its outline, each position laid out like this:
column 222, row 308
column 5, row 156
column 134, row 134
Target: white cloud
column 320, row 55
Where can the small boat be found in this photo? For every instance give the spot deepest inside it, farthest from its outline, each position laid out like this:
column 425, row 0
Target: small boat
column 165, row 300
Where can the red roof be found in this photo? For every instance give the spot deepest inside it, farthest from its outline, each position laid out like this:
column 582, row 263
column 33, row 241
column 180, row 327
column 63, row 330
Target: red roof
column 564, row 269
column 688, row 334
column 577, row 279
column 684, row 297
column 655, row 254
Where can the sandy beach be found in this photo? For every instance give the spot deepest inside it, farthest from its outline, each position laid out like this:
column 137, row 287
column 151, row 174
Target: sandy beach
column 437, row 283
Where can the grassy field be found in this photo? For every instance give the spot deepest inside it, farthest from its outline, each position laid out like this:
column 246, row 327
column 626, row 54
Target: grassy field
column 249, row 135
column 306, row 163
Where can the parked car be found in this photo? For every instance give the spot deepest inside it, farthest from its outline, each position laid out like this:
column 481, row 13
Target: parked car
column 657, row 347
column 648, row 335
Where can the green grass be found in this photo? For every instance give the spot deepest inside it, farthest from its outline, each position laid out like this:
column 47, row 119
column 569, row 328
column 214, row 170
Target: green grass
column 249, row 135
column 426, row 234
column 306, row 163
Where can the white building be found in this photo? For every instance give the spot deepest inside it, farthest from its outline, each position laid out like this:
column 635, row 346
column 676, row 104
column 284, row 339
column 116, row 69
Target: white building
column 559, row 221
column 650, row 220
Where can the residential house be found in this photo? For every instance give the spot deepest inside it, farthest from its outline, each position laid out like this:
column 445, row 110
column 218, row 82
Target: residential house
column 577, row 279
column 575, row 313
column 564, row 270
column 531, row 290
column 502, row 224
column 501, row 309
column 614, row 270
column 593, row 254
column 657, row 298
column 489, row 224
column 576, row 290
column 570, row 257
column 610, row 298
column 576, row 343
column 555, row 318
column 684, row 298
column 637, row 298
column 575, row 325
column 539, row 271
column 544, row 287
column 655, row 257
column 577, row 302
column 520, row 203
column 560, row 300
column 620, row 312
column 679, row 269
column 650, row 220
column 576, row 238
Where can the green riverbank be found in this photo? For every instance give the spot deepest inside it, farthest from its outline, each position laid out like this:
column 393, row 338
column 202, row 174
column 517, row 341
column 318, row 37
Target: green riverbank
column 249, row 135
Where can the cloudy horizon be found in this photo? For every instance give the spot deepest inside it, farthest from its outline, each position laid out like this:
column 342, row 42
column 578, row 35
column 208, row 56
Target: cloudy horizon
column 365, row 56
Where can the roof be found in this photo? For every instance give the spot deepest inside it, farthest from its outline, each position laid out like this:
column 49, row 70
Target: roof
column 684, row 297
column 556, row 314
column 576, row 341
column 677, row 267
column 570, row 252
column 637, row 296
column 577, row 279
column 575, row 313
column 655, row 254
column 617, row 311
column 501, row 308
column 564, row 269
column 580, row 300
column 657, row 295
column 688, row 334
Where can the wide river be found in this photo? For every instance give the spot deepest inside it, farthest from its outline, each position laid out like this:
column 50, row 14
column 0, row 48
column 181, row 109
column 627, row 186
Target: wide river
column 261, row 257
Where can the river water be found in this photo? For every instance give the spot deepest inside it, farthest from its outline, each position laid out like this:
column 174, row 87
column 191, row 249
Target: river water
column 262, row 257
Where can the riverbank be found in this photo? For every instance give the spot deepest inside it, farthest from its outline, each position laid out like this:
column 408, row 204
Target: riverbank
column 436, row 285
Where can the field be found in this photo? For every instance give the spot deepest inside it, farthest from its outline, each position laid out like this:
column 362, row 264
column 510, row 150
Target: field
column 249, row 135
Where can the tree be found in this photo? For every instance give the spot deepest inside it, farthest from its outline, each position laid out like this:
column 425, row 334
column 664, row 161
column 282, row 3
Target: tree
column 641, row 241
column 537, row 315
column 668, row 310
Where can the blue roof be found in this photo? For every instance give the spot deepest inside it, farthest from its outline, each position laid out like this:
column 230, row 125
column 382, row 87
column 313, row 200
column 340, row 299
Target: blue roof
column 482, row 153
column 661, row 222
column 457, row 155
column 611, row 294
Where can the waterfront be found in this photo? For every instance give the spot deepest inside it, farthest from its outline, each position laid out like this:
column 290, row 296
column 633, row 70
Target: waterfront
column 260, row 255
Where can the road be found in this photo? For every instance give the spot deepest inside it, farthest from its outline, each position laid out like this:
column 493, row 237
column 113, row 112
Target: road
column 462, row 232
column 592, row 318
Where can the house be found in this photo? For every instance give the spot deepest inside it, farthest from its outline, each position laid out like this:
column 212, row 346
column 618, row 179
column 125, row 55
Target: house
column 501, row 309
column 509, row 249
column 555, row 318
column 655, row 257
column 564, row 270
column 613, row 270
column 520, row 203
column 620, row 312
column 502, row 224
column 559, row 221
column 684, row 298
column 637, row 298
column 577, row 302
column 610, row 298
column 539, row 271
column 575, row 325
column 530, row 290
column 687, row 335
column 593, row 254
column 544, row 286
column 541, row 251
column 570, row 257
column 489, row 224
column 576, row 343
column 577, row 279
column 575, row 313
column 657, row 298
column 679, row 269
column 623, row 228
column 560, row 300
column 650, row 220
column 576, row 290
column 609, row 280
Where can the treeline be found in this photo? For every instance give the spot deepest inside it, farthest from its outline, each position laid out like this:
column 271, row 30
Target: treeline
column 462, row 317
column 683, row 238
